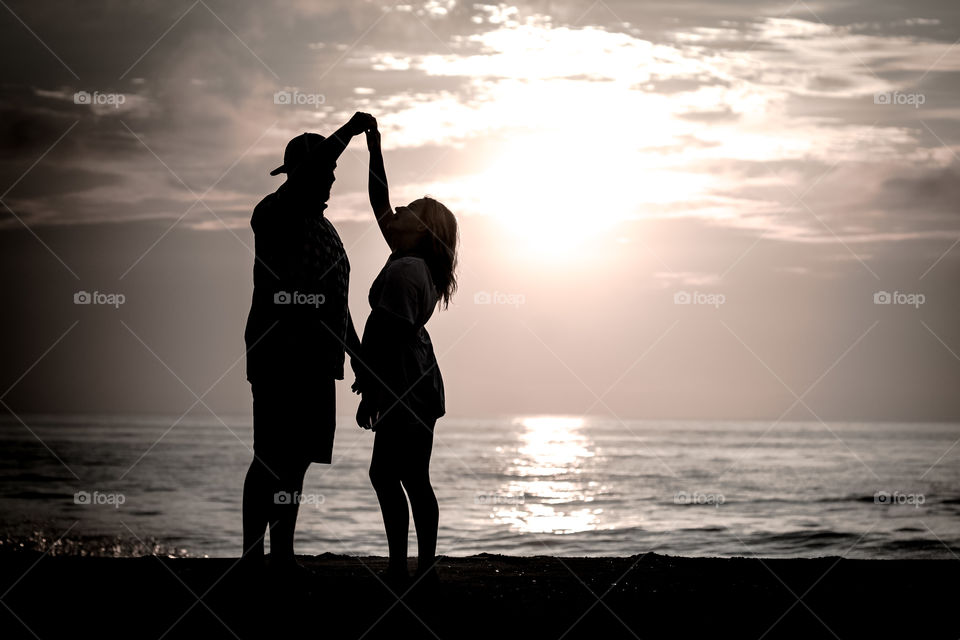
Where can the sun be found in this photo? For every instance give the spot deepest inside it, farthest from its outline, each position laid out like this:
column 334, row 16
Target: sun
column 549, row 193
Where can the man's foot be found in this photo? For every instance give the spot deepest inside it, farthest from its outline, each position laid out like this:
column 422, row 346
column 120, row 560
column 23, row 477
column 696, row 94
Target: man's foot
column 251, row 567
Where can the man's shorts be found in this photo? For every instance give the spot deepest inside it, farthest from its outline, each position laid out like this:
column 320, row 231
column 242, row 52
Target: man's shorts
column 294, row 419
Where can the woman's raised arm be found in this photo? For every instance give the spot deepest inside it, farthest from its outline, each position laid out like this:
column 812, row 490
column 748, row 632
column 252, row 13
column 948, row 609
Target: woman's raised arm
column 377, row 184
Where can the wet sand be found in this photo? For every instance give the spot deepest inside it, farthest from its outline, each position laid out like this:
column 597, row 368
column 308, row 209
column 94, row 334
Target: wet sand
column 485, row 596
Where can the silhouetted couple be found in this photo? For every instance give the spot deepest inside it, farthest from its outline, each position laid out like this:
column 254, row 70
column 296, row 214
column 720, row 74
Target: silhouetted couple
column 299, row 330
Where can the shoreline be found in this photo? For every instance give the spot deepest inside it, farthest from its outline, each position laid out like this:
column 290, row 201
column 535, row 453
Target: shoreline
column 646, row 596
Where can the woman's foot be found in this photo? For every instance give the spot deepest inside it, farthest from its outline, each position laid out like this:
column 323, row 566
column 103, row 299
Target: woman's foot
column 427, row 577
column 425, row 587
column 396, row 578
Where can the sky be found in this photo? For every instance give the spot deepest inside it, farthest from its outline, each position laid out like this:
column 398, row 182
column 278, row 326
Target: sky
column 692, row 210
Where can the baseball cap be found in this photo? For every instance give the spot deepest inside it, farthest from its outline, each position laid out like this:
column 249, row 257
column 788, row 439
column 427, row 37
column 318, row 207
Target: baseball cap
column 298, row 149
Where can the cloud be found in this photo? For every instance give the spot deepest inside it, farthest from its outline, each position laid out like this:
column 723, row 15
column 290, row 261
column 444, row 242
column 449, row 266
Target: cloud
column 686, row 278
column 727, row 104
column 633, row 112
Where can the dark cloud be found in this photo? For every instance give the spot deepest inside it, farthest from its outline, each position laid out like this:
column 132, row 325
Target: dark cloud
column 921, row 195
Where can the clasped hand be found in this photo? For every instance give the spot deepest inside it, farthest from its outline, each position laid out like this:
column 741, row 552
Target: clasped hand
column 367, row 413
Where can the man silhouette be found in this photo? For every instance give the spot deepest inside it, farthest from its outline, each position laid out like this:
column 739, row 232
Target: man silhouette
column 295, row 336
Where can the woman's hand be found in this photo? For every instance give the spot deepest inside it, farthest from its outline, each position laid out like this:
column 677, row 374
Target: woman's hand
column 367, row 415
column 373, row 136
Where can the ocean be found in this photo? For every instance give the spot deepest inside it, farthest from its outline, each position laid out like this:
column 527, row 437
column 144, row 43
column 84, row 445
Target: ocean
column 533, row 485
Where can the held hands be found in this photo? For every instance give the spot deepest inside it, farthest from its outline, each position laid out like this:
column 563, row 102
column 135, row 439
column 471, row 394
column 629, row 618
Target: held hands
column 361, row 122
column 367, row 415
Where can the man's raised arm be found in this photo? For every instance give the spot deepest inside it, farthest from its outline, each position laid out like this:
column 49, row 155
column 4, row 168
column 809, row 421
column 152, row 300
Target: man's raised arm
column 336, row 142
column 329, row 150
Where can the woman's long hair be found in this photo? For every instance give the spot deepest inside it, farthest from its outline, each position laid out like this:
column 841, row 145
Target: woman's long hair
column 439, row 247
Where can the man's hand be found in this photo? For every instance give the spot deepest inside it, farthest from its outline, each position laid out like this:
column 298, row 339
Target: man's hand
column 360, row 122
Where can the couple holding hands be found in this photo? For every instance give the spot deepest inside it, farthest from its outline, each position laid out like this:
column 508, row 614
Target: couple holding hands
column 299, row 330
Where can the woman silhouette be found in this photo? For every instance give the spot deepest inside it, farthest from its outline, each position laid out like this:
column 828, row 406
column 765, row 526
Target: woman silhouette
column 397, row 372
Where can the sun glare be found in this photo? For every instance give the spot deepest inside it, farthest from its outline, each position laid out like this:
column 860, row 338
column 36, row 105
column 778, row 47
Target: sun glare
column 552, row 423
column 582, row 146
column 551, row 455
column 553, row 192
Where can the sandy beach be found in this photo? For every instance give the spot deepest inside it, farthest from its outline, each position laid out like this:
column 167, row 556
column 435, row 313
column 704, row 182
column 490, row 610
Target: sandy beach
column 645, row 596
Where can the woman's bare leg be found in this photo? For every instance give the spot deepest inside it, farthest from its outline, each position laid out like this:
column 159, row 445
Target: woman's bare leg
column 423, row 501
column 393, row 503
column 426, row 517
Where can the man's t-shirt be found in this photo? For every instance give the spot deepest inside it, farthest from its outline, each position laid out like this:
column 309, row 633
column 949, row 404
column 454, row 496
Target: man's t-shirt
column 298, row 318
